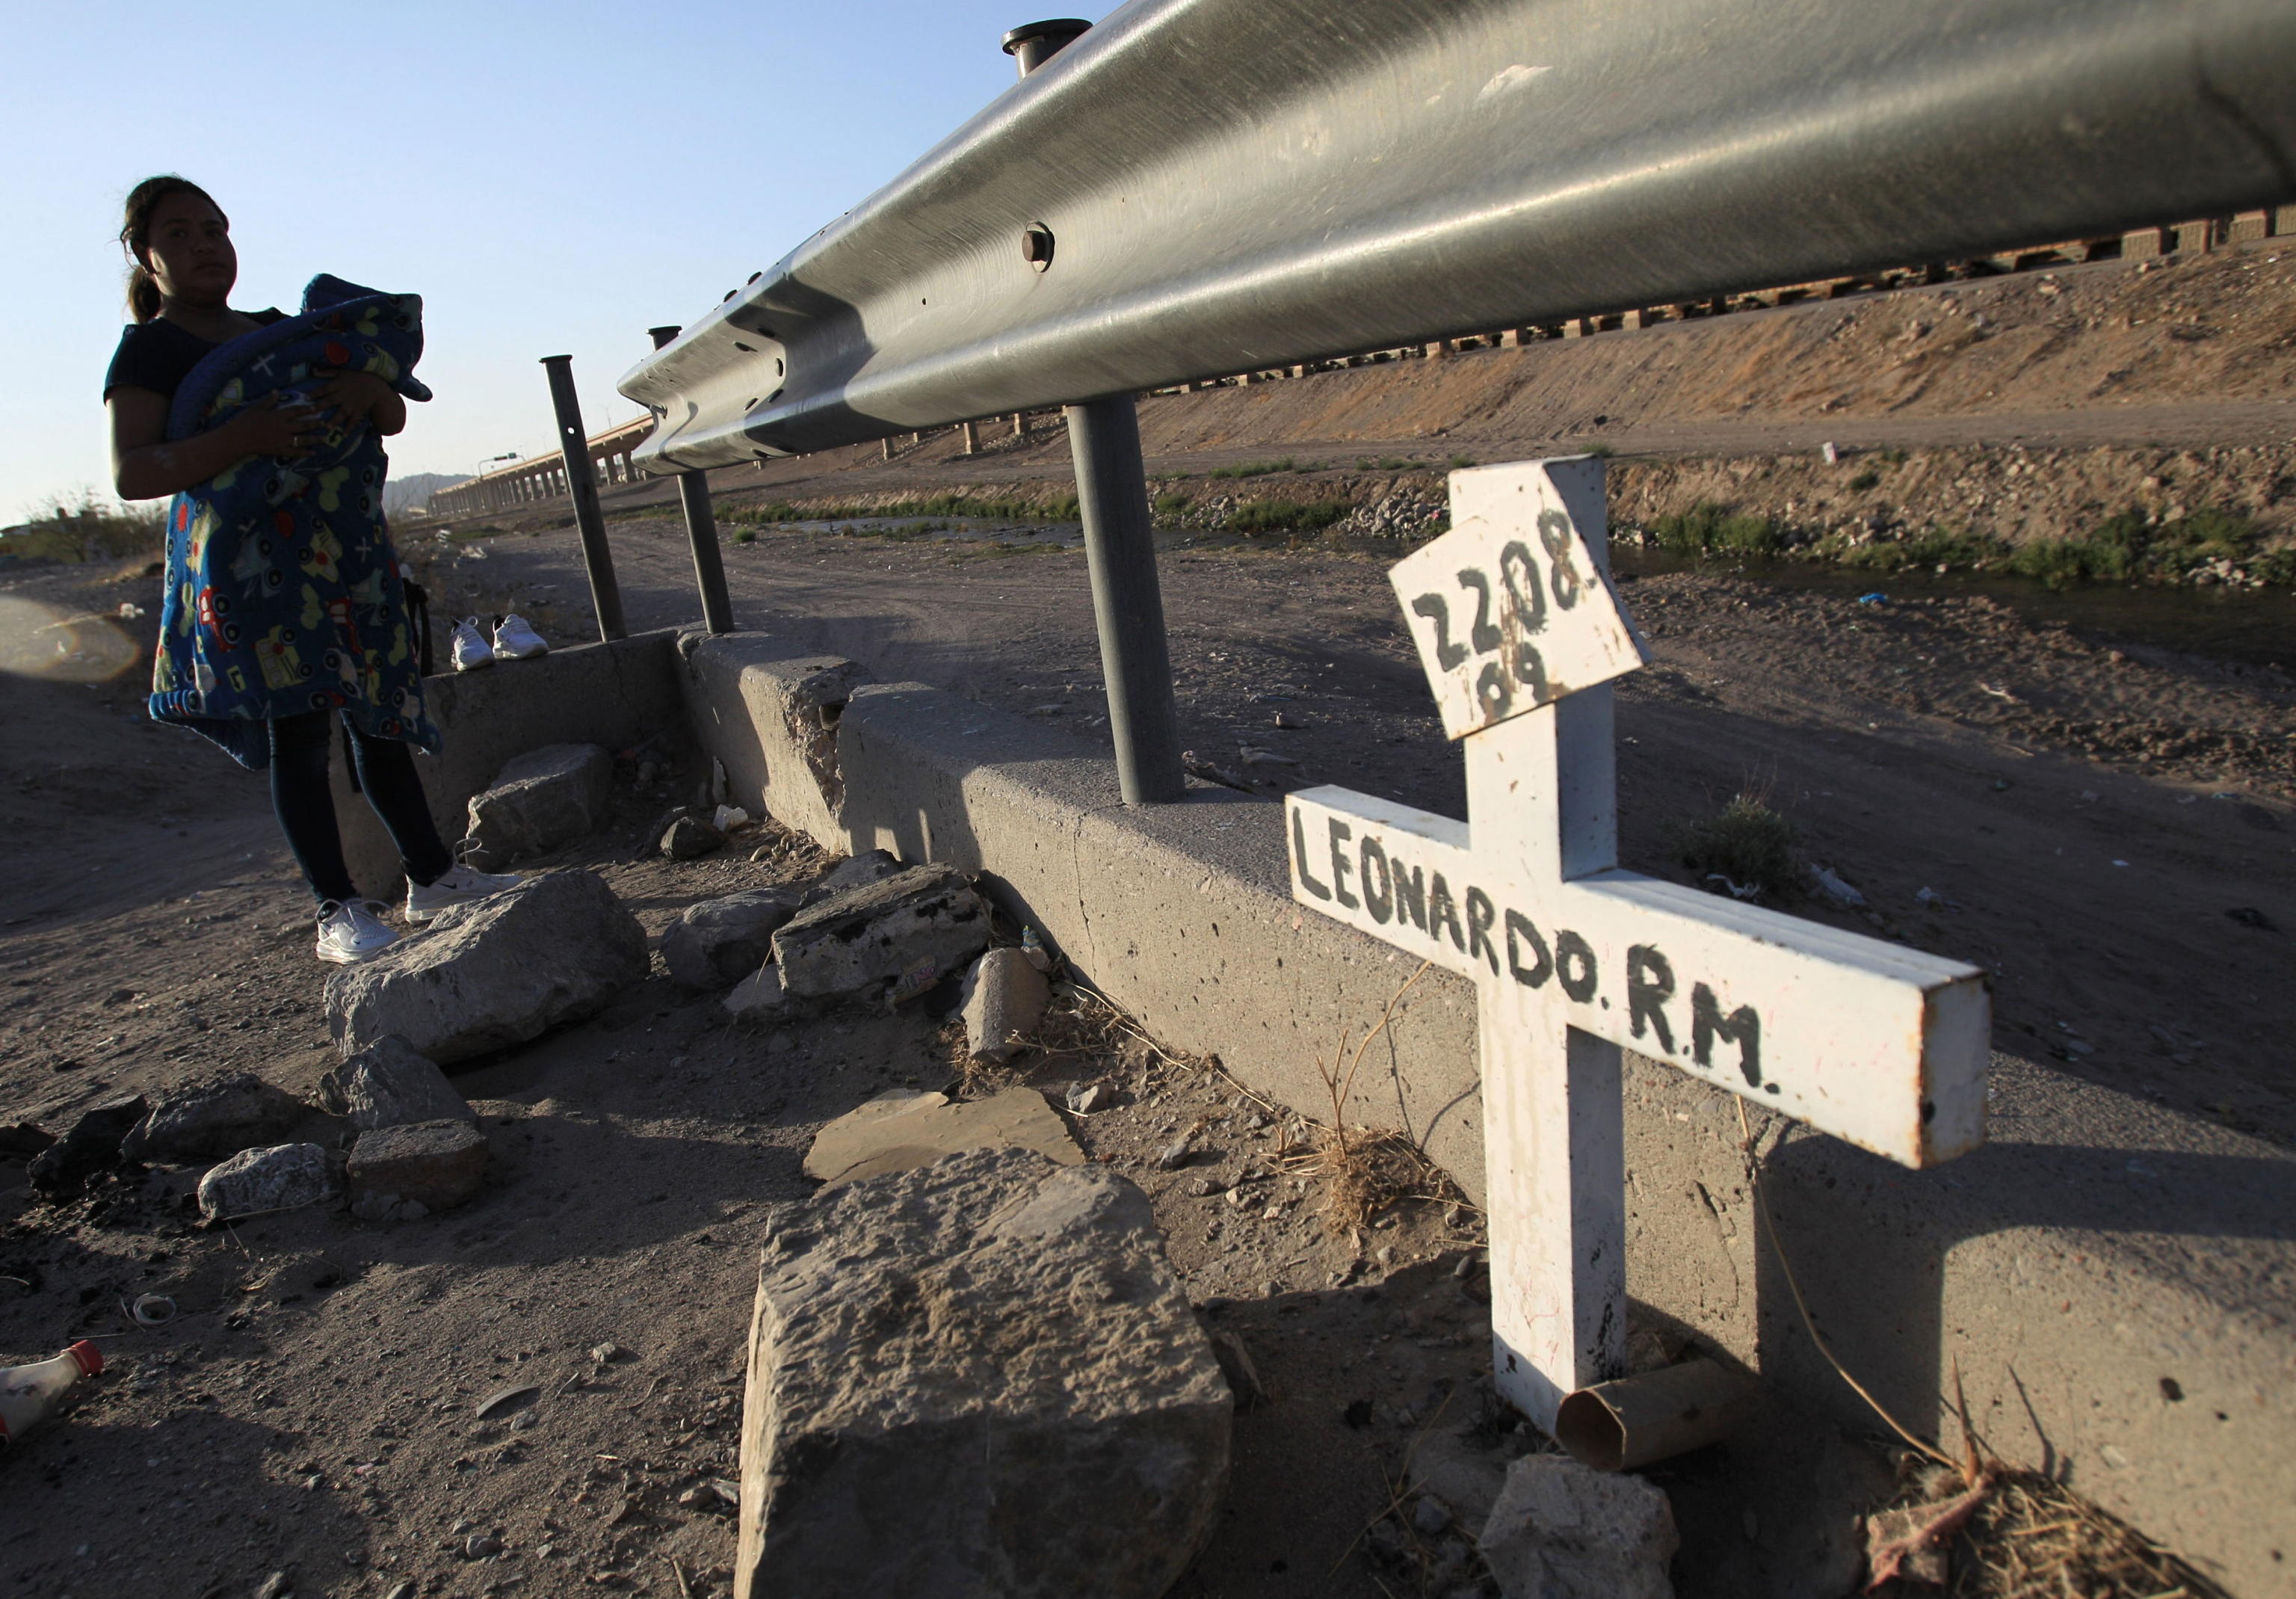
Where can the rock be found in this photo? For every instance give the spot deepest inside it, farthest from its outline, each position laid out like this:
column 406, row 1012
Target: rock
column 1090, row 1099
column 21, row 1140
column 1176, row 1154
column 1466, row 1477
column 1429, row 1516
column 217, row 1116
column 494, row 972
column 689, row 837
column 279, row 1178
column 758, row 997
column 389, row 1084
column 859, row 872
column 63, row 1169
column 882, row 934
column 1206, row 1188
column 277, row 1586
column 721, row 941
column 435, row 1164
column 1005, row 998
column 541, row 799
column 479, row 1545
column 1563, row 1531
column 902, row 1130
column 978, row 1377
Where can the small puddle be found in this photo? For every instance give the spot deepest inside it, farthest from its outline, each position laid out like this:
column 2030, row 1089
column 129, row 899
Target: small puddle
column 2254, row 627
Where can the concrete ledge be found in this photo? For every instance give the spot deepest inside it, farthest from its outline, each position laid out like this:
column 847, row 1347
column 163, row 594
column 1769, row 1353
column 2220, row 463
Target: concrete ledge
column 2116, row 1283
column 617, row 695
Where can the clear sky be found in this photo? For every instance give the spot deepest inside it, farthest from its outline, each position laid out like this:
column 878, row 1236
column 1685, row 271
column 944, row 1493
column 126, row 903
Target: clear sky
column 552, row 178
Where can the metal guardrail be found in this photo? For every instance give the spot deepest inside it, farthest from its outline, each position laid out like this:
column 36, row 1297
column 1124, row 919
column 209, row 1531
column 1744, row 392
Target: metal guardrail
column 1197, row 187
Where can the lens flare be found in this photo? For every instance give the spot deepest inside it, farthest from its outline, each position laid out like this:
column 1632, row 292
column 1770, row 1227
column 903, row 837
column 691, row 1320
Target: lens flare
column 38, row 642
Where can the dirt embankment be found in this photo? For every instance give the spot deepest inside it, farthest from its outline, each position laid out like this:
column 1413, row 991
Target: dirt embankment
column 1973, row 419
column 2207, row 331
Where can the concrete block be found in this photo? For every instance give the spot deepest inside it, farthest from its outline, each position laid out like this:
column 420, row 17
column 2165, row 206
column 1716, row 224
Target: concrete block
column 213, row 1117
column 1005, row 998
column 539, row 800
column 494, row 972
column 903, row 933
column 769, row 711
column 723, row 940
column 615, row 694
column 437, row 1165
column 978, row 1377
column 902, row 1130
column 391, row 1083
column 2143, row 243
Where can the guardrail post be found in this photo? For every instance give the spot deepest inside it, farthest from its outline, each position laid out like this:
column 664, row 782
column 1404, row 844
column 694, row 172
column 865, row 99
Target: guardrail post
column 574, row 450
column 1127, row 600
column 1118, row 546
column 701, row 533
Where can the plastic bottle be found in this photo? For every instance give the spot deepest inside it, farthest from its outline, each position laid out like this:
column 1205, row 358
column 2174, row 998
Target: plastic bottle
column 28, row 1393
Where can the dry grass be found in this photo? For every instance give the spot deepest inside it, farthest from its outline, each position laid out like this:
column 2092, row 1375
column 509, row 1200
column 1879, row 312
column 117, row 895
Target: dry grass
column 2035, row 1538
column 1363, row 1170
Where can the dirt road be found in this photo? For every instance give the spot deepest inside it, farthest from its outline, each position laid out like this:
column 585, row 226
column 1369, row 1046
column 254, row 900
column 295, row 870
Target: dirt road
column 2090, row 811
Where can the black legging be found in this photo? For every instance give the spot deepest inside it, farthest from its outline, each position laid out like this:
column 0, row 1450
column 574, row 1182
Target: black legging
column 307, row 808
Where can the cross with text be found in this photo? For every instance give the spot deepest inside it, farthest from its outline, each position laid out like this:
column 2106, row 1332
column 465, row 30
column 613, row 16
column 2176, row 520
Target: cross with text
column 1520, row 632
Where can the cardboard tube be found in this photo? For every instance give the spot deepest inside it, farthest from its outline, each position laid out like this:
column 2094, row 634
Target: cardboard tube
column 1617, row 1426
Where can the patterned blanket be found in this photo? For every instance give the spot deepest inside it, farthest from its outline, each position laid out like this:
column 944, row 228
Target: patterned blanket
column 283, row 592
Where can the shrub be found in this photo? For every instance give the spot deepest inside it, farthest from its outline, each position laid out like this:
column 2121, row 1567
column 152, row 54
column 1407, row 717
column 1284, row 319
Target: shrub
column 1172, row 504
column 1864, row 480
column 1708, row 527
column 1750, row 844
column 2125, row 547
column 91, row 532
column 1286, row 516
column 1256, row 469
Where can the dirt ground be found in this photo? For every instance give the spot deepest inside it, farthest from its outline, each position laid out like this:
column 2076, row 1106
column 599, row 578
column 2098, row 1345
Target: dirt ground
column 2107, row 822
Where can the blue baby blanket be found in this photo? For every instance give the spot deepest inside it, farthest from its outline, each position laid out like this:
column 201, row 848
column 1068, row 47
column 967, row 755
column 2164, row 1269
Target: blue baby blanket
column 283, row 592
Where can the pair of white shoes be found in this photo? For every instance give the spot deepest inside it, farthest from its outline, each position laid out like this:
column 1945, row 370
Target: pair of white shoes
column 514, row 639
column 351, row 931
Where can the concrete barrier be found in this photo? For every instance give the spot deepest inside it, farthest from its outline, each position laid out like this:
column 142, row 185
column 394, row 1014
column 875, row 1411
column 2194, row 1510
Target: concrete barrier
column 617, row 695
column 2116, row 1283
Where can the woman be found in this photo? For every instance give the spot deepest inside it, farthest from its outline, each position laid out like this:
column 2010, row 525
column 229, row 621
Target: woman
column 284, row 611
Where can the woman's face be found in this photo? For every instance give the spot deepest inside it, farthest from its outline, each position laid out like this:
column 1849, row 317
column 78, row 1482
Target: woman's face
column 189, row 251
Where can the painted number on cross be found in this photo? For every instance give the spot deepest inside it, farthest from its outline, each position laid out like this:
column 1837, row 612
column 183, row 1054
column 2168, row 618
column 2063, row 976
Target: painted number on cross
column 1510, row 610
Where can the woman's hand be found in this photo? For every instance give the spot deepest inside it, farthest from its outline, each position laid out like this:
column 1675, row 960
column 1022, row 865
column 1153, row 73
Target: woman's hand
column 362, row 398
column 282, row 425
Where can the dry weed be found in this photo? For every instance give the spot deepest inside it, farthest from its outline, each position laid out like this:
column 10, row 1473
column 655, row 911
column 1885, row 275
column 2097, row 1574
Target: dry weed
column 2031, row 1537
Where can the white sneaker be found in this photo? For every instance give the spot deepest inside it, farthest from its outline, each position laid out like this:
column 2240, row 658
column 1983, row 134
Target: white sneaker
column 348, row 932
column 472, row 650
column 515, row 639
column 457, row 885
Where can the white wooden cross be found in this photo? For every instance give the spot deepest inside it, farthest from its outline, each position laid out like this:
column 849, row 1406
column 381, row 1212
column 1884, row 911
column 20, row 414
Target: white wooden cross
column 1520, row 632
